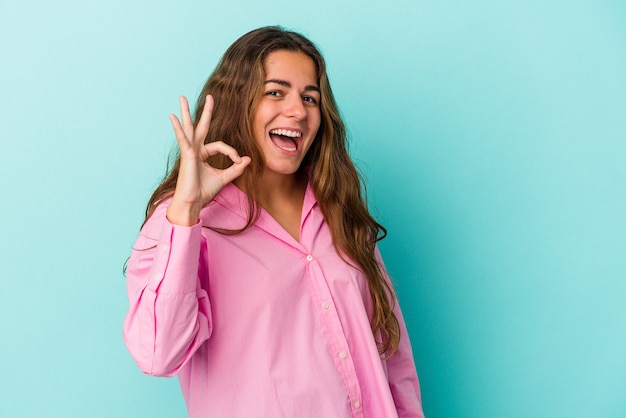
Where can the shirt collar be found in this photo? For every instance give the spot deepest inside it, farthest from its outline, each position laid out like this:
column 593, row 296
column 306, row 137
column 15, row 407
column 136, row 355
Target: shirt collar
column 235, row 200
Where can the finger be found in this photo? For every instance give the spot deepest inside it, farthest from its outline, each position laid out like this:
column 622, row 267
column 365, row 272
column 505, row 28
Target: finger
column 178, row 131
column 218, row 147
column 186, row 117
column 202, row 129
column 231, row 173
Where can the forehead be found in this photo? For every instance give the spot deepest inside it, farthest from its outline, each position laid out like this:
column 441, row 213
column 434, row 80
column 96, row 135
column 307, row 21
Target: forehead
column 290, row 66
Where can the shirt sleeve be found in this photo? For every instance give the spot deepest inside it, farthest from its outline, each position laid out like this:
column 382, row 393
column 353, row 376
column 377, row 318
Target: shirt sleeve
column 402, row 375
column 169, row 316
column 403, row 379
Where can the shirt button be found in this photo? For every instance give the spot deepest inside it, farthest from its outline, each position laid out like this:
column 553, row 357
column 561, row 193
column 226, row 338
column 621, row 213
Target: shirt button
column 165, row 248
column 325, row 305
column 357, row 404
column 309, row 257
column 343, row 354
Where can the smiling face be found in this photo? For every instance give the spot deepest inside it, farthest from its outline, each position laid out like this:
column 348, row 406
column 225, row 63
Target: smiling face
column 288, row 115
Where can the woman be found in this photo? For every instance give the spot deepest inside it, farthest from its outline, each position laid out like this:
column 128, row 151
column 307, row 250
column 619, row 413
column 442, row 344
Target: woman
column 256, row 279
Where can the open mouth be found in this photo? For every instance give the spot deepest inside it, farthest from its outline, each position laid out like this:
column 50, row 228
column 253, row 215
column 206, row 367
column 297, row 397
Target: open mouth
column 286, row 139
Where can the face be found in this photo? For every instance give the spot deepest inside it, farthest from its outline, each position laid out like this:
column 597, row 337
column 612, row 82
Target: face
column 288, row 115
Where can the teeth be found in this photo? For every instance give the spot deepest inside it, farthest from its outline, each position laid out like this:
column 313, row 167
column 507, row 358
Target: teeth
column 286, row 132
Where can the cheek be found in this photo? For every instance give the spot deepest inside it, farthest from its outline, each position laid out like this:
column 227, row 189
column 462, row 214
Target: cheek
column 258, row 124
column 261, row 113
column 315, row 120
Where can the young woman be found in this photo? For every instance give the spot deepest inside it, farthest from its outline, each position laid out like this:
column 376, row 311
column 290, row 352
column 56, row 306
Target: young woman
column 256, row 279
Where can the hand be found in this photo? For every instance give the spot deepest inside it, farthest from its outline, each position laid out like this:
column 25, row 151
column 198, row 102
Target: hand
column 198, row 182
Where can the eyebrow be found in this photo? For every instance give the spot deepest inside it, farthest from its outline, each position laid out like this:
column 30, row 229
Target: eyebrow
column 288, row 85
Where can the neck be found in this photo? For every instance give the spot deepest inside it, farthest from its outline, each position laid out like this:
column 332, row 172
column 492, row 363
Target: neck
column 276, row 188
column 282, row 196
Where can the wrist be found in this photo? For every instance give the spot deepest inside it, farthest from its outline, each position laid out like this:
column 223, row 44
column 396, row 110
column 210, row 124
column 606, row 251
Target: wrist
column 183, row 214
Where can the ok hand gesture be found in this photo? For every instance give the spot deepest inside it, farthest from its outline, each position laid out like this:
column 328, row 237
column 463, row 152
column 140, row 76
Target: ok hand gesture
column 198, row 182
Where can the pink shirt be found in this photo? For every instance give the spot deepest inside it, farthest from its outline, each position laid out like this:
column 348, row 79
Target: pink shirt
column 258, row 324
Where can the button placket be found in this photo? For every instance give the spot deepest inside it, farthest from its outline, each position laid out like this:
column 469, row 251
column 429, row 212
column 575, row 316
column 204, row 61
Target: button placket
column 337, row 341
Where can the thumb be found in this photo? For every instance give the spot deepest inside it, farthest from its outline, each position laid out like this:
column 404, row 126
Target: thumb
column 235, row 170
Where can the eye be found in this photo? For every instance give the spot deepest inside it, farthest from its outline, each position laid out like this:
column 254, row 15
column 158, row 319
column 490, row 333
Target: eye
column 310, row 99
column 275, row 93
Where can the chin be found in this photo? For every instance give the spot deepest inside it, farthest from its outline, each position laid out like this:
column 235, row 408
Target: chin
column 284, row 169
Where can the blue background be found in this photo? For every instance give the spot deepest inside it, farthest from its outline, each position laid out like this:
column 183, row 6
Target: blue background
column 492, row 135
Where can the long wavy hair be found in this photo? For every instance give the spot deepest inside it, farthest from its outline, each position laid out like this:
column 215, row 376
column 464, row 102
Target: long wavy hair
column 237, row 86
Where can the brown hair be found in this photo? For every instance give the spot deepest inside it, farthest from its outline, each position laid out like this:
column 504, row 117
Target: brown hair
column 236, row 86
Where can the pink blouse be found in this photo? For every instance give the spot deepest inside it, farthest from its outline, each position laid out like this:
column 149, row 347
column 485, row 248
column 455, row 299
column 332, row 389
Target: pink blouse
column 258, row 324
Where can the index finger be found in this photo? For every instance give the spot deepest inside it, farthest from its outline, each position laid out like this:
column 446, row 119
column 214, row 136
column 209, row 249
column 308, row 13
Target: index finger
column 205, row 119
column 185, row 115
column 219, row 147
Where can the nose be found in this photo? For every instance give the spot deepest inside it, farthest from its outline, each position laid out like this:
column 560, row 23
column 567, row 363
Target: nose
column 294, row 108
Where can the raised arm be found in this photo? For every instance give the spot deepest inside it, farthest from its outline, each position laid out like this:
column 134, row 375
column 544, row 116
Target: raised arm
column 169, row 316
